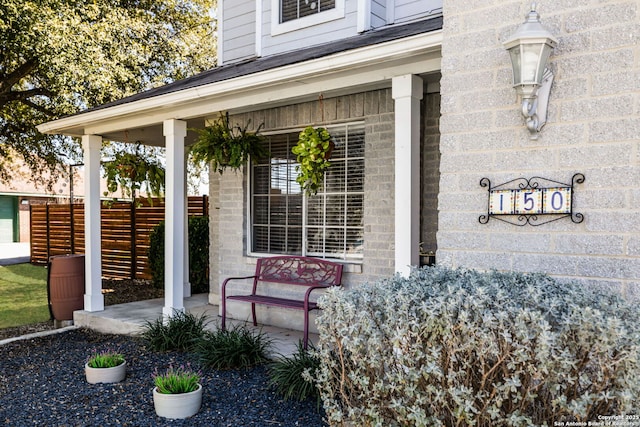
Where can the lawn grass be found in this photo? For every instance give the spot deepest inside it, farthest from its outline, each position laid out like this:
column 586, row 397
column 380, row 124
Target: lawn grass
column 23, row 295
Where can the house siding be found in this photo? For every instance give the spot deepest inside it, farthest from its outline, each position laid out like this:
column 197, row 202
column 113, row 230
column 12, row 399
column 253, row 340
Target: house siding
column 238, row 30
column 307, row 36
column 409, row 10
column 592, row 128
column 378, row 13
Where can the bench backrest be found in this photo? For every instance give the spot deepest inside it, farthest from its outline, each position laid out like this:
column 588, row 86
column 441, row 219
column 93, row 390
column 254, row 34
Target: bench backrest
column 298, row 270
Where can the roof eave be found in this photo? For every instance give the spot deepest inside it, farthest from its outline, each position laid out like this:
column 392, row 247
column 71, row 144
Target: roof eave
column 78, row 125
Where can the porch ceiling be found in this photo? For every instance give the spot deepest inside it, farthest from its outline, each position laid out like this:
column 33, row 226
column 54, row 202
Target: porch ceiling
column 365, row 68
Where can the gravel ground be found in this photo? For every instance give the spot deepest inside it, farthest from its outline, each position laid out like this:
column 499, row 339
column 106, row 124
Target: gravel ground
column 42, row 384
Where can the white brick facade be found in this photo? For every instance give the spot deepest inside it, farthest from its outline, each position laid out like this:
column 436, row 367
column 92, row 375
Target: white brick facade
column 593, row 128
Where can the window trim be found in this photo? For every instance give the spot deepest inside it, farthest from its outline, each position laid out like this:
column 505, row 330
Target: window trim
column 249, row 194
column 278, row 28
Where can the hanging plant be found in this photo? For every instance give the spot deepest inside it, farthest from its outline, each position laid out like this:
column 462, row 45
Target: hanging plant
column 224, row 146
column 313, row 150
column 134, row 171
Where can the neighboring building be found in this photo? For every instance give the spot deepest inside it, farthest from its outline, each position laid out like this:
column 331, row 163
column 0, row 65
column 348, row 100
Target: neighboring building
column 418, row 95
column 16, row 197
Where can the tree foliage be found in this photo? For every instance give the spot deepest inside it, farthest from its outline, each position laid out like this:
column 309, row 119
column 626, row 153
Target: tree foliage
column 58, row 57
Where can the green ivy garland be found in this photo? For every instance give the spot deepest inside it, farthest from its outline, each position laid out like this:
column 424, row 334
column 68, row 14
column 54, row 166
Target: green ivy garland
column 313, row 151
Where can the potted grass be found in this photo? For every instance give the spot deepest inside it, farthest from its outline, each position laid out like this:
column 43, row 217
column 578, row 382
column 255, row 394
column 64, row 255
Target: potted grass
column 177, row 393
column 105, row 367
column 313, row 151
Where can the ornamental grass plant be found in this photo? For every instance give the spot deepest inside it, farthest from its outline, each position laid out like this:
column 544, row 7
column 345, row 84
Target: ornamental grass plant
column 447, row 347
column 181, row 332
column 292, row 377
column 176, row 380
column 235, row 348
column 105, row 359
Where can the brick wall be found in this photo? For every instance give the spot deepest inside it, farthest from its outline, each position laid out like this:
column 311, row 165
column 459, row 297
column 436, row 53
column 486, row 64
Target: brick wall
column 229, row 200
column 375, row 109
column 593, row 128
column 430, row 169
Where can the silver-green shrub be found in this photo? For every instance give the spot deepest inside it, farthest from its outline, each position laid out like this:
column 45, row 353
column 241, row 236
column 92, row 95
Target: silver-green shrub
column 459, row 347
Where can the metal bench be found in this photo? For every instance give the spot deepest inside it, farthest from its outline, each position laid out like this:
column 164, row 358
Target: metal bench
column 312, row 273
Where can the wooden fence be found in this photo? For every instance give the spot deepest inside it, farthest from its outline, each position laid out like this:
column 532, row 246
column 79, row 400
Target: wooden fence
column 58, row 229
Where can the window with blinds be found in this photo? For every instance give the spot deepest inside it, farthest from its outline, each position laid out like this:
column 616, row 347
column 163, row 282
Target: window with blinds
column 329, row 224
column 295, row 9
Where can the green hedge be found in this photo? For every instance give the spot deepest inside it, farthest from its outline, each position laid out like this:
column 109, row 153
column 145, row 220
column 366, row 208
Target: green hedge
column 458, row 347
column 198, row 254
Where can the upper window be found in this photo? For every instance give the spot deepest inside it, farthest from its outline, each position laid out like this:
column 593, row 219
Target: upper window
column 328, row 224
column 295, row 9
column 292, row 15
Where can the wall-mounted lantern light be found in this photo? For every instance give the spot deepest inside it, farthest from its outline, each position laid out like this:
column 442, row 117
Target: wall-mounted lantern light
column 530, row 47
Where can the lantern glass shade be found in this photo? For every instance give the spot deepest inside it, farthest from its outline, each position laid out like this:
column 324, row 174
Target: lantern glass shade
column 529, row 61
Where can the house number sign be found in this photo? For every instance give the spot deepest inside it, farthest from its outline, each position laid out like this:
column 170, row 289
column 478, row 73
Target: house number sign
column 534, row 201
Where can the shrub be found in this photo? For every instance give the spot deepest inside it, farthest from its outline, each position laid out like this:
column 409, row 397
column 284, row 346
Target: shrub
column 293, row 376
column 457, row 347
column 238, row 347
column 198, row 254
column 180, row 332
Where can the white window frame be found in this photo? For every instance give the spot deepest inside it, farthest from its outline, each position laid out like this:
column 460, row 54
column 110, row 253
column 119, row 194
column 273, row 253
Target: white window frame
column 278, row 28
column 350, row 260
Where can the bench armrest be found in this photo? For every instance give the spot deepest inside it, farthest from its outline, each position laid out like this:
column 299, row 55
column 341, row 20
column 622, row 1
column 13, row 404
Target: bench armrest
column 228, row 279
column 307, row 294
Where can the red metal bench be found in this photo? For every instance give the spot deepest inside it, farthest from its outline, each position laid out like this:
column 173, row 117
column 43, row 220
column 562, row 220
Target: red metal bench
column 291, row 270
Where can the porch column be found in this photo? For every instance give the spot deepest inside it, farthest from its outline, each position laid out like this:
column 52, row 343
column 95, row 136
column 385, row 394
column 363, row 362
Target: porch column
column 174, row 131
column 93, row 298
column 187, row 285
column 407, row 92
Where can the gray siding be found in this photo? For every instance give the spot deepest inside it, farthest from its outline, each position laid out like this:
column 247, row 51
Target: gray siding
column 378, row 13
column 239, row 30
column 308, row 36
column 409, row 10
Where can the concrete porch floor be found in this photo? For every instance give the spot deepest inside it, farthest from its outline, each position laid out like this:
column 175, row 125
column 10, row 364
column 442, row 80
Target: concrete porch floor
column 129, row 318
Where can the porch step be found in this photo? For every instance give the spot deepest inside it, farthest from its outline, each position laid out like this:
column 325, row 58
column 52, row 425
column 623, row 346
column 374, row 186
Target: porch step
column 129, row 319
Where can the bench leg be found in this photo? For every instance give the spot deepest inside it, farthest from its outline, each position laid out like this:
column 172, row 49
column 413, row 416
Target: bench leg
column 253, row 313
column 224, row 313
column 306, row 329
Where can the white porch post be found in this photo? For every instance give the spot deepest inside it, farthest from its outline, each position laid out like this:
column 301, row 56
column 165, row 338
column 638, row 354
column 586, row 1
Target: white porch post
column 187, row 285
column 174, row 131
column 407, row 92
column 93, row 298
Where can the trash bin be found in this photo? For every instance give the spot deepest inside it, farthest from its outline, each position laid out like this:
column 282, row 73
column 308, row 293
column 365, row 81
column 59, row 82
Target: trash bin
column 65, row 285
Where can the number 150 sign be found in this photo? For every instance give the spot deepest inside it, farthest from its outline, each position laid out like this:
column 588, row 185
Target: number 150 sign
column 556, row 200
column 530, row 200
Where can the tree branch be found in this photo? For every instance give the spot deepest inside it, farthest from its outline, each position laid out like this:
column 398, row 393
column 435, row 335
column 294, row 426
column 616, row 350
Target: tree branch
column 16, row 75
column 40, row 108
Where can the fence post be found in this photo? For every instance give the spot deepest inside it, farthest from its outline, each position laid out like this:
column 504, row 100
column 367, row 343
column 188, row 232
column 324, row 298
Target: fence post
column 48, row 232
column 134, row 251
column 72, row 230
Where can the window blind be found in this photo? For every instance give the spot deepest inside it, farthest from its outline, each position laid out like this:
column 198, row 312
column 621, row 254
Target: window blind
column 328, row 224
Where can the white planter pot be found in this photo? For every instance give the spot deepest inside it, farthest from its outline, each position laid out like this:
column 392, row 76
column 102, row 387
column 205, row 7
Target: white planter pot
column 105, row 375
column 175, row 406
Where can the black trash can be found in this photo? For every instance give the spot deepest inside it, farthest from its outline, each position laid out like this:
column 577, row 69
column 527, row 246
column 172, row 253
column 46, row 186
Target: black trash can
column 65, row 286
